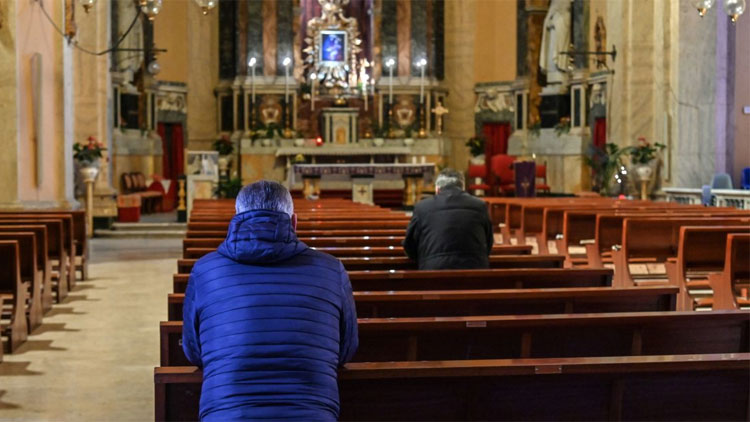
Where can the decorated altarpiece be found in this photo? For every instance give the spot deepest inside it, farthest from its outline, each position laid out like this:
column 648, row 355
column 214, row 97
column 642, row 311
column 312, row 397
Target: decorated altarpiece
column 337, row 85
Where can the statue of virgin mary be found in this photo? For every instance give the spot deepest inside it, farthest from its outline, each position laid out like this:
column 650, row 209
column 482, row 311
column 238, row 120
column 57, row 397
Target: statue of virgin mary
column 555, row 40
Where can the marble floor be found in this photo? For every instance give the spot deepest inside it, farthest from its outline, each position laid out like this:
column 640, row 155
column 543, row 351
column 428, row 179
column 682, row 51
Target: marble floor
column 93, row 357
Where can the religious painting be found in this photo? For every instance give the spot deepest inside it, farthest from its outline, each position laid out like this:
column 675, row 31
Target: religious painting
column 333, row 47
column 270, row 110
column 405, row 111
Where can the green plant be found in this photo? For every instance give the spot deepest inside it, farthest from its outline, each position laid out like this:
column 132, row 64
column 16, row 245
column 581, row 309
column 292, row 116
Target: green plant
column 89, row 152
column 535, row 128
column 223, row 145
column 229, row 188
column 270, row 130
column 476, row 145
column 604, row 163
column 563, row 126
column 644, row 153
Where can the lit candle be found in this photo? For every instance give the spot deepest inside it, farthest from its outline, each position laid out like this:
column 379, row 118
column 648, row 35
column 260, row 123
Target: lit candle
column 287, row 62
column 251, row 63
column 364, row 89
column 422, row 63
column 390, row 63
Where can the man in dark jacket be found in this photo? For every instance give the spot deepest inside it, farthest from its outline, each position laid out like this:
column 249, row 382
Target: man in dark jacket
column 267, row 318
column 451, row 230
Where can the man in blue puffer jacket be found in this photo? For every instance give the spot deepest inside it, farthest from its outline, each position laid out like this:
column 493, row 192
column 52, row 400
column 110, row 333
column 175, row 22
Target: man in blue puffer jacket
column 267, row 318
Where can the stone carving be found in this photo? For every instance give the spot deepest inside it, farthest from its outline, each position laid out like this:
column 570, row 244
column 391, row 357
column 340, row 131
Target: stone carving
column 555, row 40
column 404, row 112
column 598, row 95
column 270, row 110
column 493, row 101
column 172, row 101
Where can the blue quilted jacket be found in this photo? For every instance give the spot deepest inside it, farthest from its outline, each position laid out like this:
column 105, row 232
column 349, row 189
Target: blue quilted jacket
column 269, row 320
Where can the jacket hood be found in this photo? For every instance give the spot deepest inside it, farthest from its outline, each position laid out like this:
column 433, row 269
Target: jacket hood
column 261, row 237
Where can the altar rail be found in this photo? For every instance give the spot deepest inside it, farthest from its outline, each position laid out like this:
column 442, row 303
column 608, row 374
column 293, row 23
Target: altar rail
column 735, row 198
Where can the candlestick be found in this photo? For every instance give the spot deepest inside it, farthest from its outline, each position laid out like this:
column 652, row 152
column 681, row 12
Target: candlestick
column 421, row 65
column 390, row 63
column 364, row 89
column 287, row 62
column 251, row 63
column 314, row 77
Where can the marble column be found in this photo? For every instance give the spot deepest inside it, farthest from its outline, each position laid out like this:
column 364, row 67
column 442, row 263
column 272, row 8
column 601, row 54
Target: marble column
column 459, row 79
column 203, row 37
column 8, row 107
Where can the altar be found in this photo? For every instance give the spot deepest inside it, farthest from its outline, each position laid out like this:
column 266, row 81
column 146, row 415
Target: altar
column 362, row 176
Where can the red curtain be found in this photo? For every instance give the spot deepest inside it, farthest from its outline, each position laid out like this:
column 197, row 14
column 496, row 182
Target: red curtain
column 178, row 152
column 496, row 142
column 172, row 159
column 600, row 132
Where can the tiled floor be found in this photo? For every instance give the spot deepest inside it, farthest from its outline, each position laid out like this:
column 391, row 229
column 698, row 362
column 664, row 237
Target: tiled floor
column 93, row 357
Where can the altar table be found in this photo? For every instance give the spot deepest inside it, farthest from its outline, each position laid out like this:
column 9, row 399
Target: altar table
column 362, row 176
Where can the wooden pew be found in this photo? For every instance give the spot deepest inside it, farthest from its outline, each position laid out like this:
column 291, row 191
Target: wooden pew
column 567, row 300
column 522, row 278
column 736, row 272
column 496, row 261
column 529, row 336
column 701, row 251
column 44, row 267
column 14, row 292
column 368, row 251
column 185, row 266
column 55, row 249
column 609, row 230
column 30, row 277
column 67, row 238
column 314, row 225
column 655, row 241
column 3, row 300
column 681, row 387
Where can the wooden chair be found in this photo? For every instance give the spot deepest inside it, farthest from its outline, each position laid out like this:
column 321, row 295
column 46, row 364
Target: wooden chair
column 502, row 169
column 541, row 173
column 478, row 179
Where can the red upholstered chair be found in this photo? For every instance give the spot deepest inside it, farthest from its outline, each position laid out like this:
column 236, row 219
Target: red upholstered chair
column 541, row 173
column 502, row 168
column 477, row 178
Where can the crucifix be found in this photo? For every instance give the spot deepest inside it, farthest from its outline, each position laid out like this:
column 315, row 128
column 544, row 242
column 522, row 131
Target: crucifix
column 439, row 111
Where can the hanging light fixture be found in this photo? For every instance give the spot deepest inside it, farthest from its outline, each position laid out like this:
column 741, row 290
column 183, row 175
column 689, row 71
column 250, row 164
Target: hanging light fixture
column 734, row 9
column 151, row 8
column 206, row 5
column 88, row 5
column 703, row 6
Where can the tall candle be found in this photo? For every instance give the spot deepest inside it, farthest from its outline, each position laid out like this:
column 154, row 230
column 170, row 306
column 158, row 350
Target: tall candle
column 252, row 78
column 390, row 63
column 314, row 78
column 287, row 62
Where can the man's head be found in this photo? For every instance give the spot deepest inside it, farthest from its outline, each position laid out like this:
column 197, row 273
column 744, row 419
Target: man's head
column 449, row 178
column 265, row 195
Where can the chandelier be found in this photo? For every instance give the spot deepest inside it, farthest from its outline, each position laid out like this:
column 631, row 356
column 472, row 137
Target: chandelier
column 733, row 8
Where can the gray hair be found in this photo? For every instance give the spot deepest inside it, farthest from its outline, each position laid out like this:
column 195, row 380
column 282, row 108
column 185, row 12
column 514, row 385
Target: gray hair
column 449, row 177
column 264, row 195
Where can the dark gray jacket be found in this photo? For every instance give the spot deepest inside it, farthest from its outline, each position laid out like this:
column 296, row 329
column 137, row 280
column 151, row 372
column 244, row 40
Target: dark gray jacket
column 451, row 230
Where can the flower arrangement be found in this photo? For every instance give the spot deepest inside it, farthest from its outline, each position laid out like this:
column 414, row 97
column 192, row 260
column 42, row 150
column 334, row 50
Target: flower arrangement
column 223, row 145
column 644, row 152
column 563, row 126
column 476, row 145
column 89, row 152
column 229, row 188
column 604, row 164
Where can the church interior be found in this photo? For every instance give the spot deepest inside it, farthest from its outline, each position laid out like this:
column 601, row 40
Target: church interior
column 608, row 139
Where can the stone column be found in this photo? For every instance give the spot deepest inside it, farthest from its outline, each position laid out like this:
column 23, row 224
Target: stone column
column 203, row 37
column 92, row 99
column 8, row 107
column 459, row 79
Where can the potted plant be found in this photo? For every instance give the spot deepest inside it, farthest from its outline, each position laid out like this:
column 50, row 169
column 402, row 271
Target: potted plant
column 87, row 156
column 229, row 188
column 476, row 149
column 642, row 157
column 605, row 163
column 563, row 126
